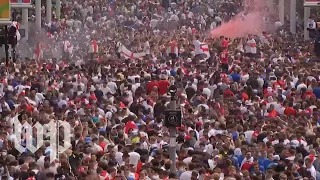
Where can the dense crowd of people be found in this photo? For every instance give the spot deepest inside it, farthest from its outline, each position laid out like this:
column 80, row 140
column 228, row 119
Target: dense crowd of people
column 250, row 105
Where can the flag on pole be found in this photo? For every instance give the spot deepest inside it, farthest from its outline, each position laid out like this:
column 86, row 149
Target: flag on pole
column 127, row 53
column 67, row 47
column 93, row 48
column 16, row 25
column 173, row 48
column 38, row 53
column 205, row 49
column 50, row 35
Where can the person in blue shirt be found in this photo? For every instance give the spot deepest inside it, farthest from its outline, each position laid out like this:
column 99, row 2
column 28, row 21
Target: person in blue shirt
column 241, row 157
column 275, row 162
column 316, row 91
column 173, row 72
column 263, row 160
column 235, row 76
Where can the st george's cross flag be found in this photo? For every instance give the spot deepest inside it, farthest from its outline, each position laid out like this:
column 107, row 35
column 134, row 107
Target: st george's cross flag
column 16, row 25
column 67, row 47
column 126, row 53
column 38, row 53
column 93, row 47
column 173, row 48
column 204, row 47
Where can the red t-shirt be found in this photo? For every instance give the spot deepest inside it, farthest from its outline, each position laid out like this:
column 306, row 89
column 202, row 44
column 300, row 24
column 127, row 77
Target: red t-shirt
column 224, row 57
column 289, row 111
column 273, row 113
column 139, row 167
column 103, row 145
column 245, row 96
column 280, row 83
column 163, row 86
column 151, row 84
column 225, row 43
column 228, row 93
column 247, row 165
column 308, row 93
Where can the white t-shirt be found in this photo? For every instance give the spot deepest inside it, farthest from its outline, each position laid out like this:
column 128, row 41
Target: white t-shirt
column 146, row 47
column 113, row 87
column 197, row 49
column 248, row 135
column 311, row 24
column 300, row 86
column 213, row 25
column 186, row 175
column 153, row 23
column 134, row 158
column 313, row 172
column 251, row 46
column 119, row 157
column 207, row 92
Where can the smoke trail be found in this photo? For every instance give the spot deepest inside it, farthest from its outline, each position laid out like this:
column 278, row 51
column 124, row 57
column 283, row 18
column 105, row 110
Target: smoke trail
column 242, row 25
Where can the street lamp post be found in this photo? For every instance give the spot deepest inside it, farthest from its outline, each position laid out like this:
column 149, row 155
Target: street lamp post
column 173, row 118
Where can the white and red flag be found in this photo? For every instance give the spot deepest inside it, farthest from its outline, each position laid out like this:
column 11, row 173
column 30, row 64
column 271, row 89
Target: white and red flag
column 93, row 48
column 67, row 47
column 38, row 53
column 173, row 48
column 16, row 25
column 50, row 35
column 127, row 53
column 204, row 48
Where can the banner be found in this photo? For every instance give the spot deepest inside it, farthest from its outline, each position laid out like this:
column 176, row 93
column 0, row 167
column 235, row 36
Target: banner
column 20, row 3
column 5, row 14
column 312, row 3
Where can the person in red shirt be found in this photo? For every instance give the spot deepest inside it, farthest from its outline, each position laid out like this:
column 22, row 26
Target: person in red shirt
column 273, row 113
column 163, row 85
column 224, row 60
column 279, row 83
column 309, row 93
column 228, row 93
column 151, row 84
column 247, row 162
column 245, row 96
column 290, row 111
column 224, row 42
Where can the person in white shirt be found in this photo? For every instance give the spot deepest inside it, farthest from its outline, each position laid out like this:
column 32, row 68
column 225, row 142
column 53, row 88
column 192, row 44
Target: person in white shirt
column 197, row 45
column 264, row 38
column 301, row 86
column 113, row 87
column 250, row 47
column 310, row 168
column 311, row 27
column 105, row 89
column 146, row 48
column 95, row 147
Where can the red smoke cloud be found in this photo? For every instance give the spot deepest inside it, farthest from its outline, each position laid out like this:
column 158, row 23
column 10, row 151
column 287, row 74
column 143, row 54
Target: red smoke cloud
column 240, row 26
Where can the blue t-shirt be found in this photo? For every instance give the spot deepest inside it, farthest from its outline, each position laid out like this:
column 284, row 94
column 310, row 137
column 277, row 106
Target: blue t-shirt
column 235, row 77
column 316, row 92
column 173, row 72
column 95, row 119
column 264, row 162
